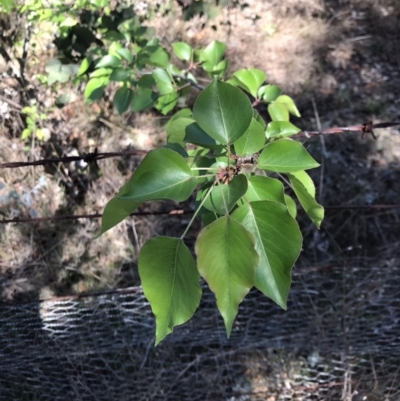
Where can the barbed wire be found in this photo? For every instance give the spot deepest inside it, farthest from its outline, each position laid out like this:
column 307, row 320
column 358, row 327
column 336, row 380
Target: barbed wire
column 173, row 212
column 367, row 128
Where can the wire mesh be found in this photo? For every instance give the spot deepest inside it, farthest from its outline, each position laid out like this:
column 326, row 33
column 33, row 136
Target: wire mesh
column 338, row 340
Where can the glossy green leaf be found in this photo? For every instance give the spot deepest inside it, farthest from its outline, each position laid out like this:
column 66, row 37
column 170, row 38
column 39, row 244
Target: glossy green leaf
column 122, row 99
column 250, row 79
column 223, row 197
column 306, row 180
column 182, row 50
column 117, row 210
column 259, row 119
column 162, row 174
column 159, row 58
column 101, row 72
column 251, row 141
column 278, row 243
column 176, row 129
column 143, row 99
column 227, row 260
column 223, row 112
column 164, row 81
column 167, row 102
column 278, row 112
column 289, row 103
column 291, row 205
column 285, row 156
column 119, row 75
column 281, row 128
column 85, row 64
column 264, row 188
column 313, row 209
column 170, row 282
column 95, row 88
column 213, row 53
column 194, row 134
column 269, row 93
column 108, row 61
column 125, row 54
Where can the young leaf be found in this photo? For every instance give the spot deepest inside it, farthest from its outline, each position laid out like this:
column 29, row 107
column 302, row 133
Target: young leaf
column 170, row 282
column 108, row 61
column 278, row 112
column 164, row 81
column 95, row 88
column 264, row 188
column 289, row 103
column 122, row 99
column 269, row 93
column 223, row 112
column 117, row 210
column 176, row 129
column 285, row 156
column 227, row 260
column 223, row 197
column 291, row 206
column 281, row 128
column 251, row 141
column 250, row 79
column 162, row 174
column 213, row 53
column 182, row 50
column 125, row 54
column 301, row 188
column 166, row 103
column 278, row 243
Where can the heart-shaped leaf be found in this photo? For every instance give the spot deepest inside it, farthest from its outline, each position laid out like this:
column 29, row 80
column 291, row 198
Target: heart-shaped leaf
column 170, row 282
column 227, row 260
column 223, row 112
column 285, row 156
column 278, row 243
column 269, row 93
column 162, row 174
column 223, row 197
column 213, row 53
column 251, row 141
column 305, row 195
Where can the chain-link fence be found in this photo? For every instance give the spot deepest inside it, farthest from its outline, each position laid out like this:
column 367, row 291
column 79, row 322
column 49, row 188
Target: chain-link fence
column 338, row 340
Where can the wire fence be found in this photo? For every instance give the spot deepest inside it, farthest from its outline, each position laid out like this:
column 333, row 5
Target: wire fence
column 338, row 340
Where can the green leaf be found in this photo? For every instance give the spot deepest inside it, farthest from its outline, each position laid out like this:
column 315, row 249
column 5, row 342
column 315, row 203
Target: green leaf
column 95, row 88
column 258, row 118
column 108, row 61
column 269, row 93
column 223, row 197
column 223, row 112
column 162, row 174
column 213, row 53
column 281, row 128
column 167, row 102
column 119, row 75
column 26, row 133
column 125, row 54
column 170, row 282
column 182, row 50
column 164, row 81
column 291, row 205
column 251, row 141
column 278, row 243
column 306, row 180
column 314, row 210
column 194, row 134
column 85, row 64
column 285, row 156
column 122, row 99
column 101, row 72
column 117, row 210
column 289, row 103
column 159, row 58
column 227, row 260
column 250, row 79
column 264, row 188
column 278, row 112
column 176, row 129
column 143, row 99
